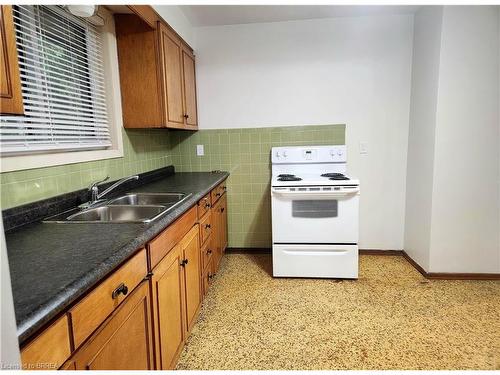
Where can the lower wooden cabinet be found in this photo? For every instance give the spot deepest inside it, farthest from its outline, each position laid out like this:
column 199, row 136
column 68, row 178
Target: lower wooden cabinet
column 192, row 268
column 144, row 329
column 168, row 308
column 176, row 291
column 124, row 341
column 219, row 230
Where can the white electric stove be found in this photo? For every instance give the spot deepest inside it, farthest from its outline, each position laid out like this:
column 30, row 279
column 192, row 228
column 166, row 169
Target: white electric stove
column 315, row 208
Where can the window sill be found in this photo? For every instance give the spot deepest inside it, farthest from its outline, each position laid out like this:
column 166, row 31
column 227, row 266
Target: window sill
column 21, row 162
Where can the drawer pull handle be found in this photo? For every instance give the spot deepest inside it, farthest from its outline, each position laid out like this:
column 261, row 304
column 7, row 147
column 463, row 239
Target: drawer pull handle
column 208, row 226
column 184, row 262
column 122, row 289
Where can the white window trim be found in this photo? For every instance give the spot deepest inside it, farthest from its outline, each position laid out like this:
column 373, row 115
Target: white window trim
column 113, row 102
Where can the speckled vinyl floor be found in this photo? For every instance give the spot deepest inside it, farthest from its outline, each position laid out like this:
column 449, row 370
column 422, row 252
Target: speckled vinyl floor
column 391, row 318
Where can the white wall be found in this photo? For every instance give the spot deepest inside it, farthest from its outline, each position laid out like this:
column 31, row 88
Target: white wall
column 466, row 205
column 345, row 70
column 424, row 91
column 453, row 182
column 175, row 17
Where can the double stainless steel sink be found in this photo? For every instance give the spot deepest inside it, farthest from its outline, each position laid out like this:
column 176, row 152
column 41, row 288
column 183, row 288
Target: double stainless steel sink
column 129, row 208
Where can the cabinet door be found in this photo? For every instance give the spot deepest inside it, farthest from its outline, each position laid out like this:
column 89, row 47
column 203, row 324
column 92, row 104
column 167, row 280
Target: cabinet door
column 192, row 274
column 167, row 290
column 171, row 50
column 217, row 233
column 123, row 342
column 11, row 99
column 189, row 87
column 223, row 223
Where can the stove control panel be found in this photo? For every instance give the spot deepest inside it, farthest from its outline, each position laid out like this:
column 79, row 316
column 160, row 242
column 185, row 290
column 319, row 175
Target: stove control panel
column 309, row 154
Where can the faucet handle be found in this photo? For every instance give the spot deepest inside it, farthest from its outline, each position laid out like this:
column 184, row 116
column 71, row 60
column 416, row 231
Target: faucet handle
column 95, row 183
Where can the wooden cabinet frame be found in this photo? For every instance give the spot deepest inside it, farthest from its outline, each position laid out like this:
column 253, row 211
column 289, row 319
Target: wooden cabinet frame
column 11, row 98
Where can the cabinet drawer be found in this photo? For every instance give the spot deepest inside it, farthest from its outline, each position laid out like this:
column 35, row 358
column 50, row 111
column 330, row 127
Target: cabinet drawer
column 204, row 205
column 218, row 191
column 50, row 349
column 166, row 240
column 205, row 227
column 91, row 311
column 206, row 253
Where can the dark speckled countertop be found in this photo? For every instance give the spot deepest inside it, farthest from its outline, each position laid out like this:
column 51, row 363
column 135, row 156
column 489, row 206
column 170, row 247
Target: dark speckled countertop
column 52, row 265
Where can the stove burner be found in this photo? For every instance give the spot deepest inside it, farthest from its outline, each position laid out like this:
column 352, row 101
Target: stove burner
column 289, row 178
column 332, row 175
column 339, row 178
column 286, row 175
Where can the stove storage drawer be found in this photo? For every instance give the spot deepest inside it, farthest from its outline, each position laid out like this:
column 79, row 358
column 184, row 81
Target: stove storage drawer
column 315, row 218
column 324, row 261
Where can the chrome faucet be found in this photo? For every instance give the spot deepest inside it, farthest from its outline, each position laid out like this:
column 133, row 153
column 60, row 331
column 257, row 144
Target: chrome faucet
column 94, row 188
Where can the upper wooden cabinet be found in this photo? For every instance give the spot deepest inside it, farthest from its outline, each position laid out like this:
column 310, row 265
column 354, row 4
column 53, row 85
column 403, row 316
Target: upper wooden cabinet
column 11, row 99
column 157, row 75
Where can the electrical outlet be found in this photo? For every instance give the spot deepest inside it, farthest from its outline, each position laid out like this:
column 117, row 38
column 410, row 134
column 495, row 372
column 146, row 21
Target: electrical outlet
column 200, row 150
column 363, row 148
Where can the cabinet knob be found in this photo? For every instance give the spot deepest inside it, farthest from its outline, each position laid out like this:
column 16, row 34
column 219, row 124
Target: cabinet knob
column 208, row 226
column 222, row 209
column 186, row 116
column 121, row 289
column 184, row 262
column 209, row 251
column 207, row 205
column 217, row 194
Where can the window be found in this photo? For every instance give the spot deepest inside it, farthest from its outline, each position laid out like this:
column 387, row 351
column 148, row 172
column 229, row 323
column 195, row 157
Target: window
column 62, row 77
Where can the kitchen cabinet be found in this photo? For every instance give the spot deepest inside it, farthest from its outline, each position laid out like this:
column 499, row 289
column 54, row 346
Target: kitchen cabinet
column 168, row 300
column 11, row 99
column 157, row 75
column 50, row 349
column 140, row 316
column 124, row 341
column 93, row 309
column 219, row 220
column 176, row 290
column 192, row 268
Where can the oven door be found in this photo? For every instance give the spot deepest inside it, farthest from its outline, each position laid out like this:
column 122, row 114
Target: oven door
column 314, row 215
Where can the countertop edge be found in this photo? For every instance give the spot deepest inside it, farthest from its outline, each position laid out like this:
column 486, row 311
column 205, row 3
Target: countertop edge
column 50, row 311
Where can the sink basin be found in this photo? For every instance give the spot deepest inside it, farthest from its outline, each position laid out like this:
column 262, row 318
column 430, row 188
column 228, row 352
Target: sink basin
column 141, row 214
column 140, row 199
column 129, row 208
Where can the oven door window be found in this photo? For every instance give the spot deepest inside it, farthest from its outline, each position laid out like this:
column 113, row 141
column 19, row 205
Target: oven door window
column 315, row 208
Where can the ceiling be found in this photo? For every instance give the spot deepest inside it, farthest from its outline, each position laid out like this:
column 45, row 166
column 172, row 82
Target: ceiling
column 215, row 15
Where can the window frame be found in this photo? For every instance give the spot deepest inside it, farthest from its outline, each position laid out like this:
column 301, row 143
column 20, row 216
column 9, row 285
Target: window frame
column 16, row 162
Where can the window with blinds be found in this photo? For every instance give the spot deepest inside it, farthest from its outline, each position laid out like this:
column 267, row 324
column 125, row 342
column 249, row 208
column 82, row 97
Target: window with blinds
column 61, row 67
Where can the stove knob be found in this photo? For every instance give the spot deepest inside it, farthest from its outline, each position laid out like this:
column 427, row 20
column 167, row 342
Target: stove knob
column 284, row 154
column 277, row 154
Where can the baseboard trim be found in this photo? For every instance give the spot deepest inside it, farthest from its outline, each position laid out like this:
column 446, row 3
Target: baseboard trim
column 450, row 275
column 246, row 250
column 380, row 252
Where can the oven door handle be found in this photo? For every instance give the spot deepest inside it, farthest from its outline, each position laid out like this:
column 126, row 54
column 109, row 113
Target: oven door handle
column 317, row 194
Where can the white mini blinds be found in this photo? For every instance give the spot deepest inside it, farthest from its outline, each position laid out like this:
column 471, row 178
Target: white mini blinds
column 62, row 77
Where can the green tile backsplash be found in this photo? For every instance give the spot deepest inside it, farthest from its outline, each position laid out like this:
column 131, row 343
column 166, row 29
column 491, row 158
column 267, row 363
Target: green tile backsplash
column 144, row 150
column 245, row 153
